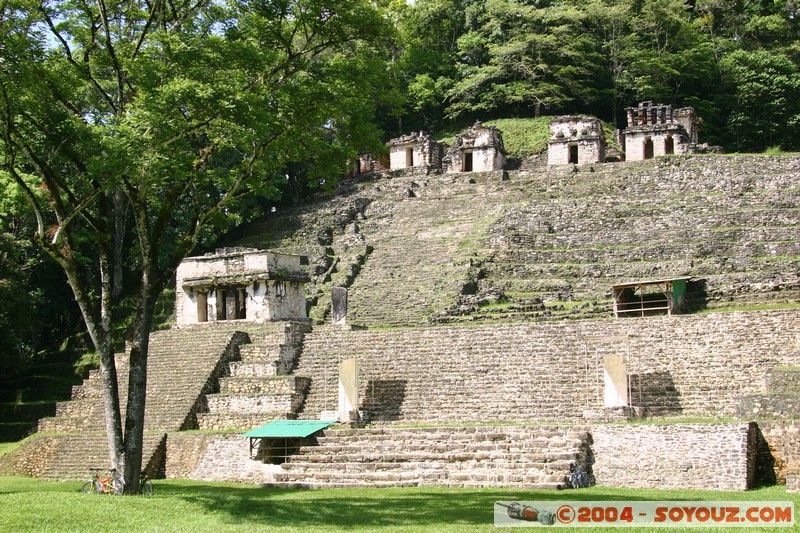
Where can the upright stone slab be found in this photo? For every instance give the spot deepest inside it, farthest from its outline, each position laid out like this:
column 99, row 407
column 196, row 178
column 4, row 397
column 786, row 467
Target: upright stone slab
column 615, row 377
column 339, row 311
column 348, row 390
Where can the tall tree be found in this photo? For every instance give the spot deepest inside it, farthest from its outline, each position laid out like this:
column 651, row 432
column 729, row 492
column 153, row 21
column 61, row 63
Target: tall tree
column 524, row 56
column 165, row 115
column 763, row 106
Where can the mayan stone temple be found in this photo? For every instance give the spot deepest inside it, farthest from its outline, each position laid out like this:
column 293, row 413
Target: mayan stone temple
column 241, row 284
column 433, row 325
column 655, row 130
column 577, row 140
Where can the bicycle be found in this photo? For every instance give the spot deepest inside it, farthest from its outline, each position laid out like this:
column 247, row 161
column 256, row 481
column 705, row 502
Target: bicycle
column 113, row 484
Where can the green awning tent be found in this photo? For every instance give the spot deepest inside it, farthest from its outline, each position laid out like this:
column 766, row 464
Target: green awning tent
column 285, row 429
column 282, row 429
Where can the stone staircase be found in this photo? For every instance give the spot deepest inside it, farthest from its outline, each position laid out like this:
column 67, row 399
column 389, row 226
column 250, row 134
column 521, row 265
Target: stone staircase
column 781, row 400
column 183, row 366
column 258, row 386
column 531, row 458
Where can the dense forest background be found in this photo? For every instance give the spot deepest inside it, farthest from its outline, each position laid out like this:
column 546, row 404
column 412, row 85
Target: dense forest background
column 734, row 61
column 435, row 65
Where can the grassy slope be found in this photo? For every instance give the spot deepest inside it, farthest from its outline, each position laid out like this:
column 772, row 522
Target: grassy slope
column 521, row 136
column 27, row 504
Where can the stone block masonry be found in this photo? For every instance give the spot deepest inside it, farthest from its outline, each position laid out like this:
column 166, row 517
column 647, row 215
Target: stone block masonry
column 685, row 456
column 674, row 456
column 695, row 365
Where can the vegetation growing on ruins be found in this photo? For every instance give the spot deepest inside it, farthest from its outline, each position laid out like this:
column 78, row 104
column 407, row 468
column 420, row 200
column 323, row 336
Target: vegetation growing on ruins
column 131, row 135
column 736, row 63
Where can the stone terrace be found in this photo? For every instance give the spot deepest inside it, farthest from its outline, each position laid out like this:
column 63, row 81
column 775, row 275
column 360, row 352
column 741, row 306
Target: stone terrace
column 696, row 365
column 184, row 366
column 549, row 242
column 731, row 221
column 534, row 458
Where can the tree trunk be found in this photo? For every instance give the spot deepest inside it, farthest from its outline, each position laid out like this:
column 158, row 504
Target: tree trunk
column 137, row 375
column 100, row 333
column 120, row 216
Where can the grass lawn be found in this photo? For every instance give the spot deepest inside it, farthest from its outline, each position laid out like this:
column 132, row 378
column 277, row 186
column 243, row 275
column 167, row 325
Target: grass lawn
column 33, row 505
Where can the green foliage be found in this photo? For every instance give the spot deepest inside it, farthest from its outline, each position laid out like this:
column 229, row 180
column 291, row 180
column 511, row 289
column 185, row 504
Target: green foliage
column 520, row 58
column 765, row 109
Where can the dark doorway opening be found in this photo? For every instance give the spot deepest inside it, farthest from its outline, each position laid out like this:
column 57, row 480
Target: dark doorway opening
column 467, row 161
column 648, row 148
column 573, row 154
column 669, row 145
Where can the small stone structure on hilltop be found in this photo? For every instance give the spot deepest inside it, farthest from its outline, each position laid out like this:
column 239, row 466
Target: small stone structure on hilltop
column 478, row 149
column 417, row 149
column 577, row 140
column 656, row 129
column 241, row 284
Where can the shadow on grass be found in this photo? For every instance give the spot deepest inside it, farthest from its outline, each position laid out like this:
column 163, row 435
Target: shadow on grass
column 346, row 508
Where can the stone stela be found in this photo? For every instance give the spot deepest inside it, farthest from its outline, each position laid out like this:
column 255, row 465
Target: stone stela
column 615, row 378
column 339, row 306
column 348, row 390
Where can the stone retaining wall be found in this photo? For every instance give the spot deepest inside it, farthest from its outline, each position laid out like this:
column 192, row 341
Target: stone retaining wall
column 683, row 456
column 696, row 365
column 215, row 457
column 674, row 456
column 783, row 439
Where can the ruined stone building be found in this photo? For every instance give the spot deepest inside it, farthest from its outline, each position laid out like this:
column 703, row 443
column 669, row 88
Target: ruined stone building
column 241, row 284
column 417, row 149
column 577, row 140
column 656, row 130
column 367, row 162
column 478, row 149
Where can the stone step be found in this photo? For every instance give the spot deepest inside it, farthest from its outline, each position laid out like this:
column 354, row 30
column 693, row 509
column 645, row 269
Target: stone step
column 221, row 421
column 345, row 476
column 423, row 462
column 271, row 385
column 766, row 406
column 68, row 424
column 258, row 369
column 335, row 485
column 315, row 454
column 253, row 403
column 260, row 352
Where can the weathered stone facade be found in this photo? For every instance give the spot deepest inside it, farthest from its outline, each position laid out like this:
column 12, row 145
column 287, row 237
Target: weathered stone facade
column 478, row 149
column 215, row 457
column 655, row 130
column 241, row 284
column 685, row 365
column 674, row 456
column 576, row 140
column 417, row 149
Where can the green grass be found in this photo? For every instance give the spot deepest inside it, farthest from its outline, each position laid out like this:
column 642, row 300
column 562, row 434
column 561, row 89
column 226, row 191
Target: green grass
column 31, row 505
column 8, row 447
column 521, row 136
column 751, row 307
